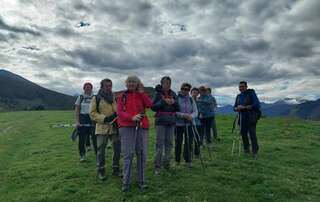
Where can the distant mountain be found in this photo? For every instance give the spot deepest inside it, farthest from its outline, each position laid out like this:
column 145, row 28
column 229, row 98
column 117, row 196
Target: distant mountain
column 296, row 100
column 17, row 93
column 276, row 109
column 225, row 110
column 307, row 110
column 282, row 108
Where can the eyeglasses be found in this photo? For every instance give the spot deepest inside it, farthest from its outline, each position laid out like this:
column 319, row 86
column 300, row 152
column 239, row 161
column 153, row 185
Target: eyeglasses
column 185, row 89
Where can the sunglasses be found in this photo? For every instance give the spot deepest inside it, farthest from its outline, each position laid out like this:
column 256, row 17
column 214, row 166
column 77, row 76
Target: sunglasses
column 185, row 89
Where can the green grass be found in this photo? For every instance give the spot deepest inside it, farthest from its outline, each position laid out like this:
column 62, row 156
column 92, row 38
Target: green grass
column 39, row 163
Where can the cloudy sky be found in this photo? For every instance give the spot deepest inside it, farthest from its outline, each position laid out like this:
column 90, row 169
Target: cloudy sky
column 274, row 45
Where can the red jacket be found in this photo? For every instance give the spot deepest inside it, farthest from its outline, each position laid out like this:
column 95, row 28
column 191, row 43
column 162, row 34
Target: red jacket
column 135, row 103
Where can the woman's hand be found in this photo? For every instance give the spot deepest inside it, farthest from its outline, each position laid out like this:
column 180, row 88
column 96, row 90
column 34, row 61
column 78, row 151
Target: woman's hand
column 188, row 117
column 137, row 117
column 169, row 101
column 77, row 124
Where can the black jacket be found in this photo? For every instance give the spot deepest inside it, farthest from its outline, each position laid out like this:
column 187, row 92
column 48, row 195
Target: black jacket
column 165, row 114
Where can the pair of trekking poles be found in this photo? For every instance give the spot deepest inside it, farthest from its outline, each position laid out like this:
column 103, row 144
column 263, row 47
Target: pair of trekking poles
column 196, row 137
column 237, row 138
column 140, row 146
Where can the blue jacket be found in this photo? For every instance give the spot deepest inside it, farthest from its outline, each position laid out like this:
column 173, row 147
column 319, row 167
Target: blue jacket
column 249, row 97
column 206, row 105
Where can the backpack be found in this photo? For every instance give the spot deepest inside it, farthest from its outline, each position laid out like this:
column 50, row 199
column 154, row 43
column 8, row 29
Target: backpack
column 248, row 101
column 81, row 100
column 124, row 100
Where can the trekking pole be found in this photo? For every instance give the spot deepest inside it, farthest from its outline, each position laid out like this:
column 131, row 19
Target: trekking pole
column 199, row 147
column 68, row 125
column 240, row 129
column 186, row 140
column 134, row 145
column 141, row 147
column 136, row 133
column 233, row 128
column 209, row 151
column 236, row 139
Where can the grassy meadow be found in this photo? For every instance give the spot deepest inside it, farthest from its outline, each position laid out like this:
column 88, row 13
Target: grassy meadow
column 40, row 163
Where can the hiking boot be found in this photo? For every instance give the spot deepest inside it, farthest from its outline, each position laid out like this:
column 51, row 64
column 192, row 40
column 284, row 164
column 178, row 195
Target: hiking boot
column 188, row 164
column 142, row 186
column 157, row 171
column 125, row 188
column 116, row 172
column 101, row 174
column 167, row 166
column 82, row 158
column 88, row 148
column 255, row 156
column 209, row 145
column 246, row 154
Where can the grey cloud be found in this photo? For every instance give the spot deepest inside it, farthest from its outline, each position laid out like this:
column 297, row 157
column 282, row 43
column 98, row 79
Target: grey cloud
column 31, row 48
column 16, row 29
column 8, row 37
column 225, row 41
column 255, row 45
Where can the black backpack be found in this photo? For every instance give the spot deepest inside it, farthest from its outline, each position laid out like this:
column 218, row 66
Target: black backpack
column 81, row 100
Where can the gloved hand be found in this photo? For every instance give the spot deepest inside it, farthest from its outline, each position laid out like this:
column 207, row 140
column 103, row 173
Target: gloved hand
column 108, row 119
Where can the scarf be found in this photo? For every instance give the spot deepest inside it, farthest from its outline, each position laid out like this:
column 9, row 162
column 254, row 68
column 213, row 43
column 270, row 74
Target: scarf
column 108, row 97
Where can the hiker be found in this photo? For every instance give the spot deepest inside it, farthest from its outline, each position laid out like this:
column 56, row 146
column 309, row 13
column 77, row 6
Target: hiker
column 165, row 105
column 103, row 112
column 83, row 122
column 247, row 105
column 185, row 115
column 133, row 128
column 198, row 131
column 206, row 113
column 215, row 106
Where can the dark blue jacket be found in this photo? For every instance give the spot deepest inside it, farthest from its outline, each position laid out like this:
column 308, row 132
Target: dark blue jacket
column 165, row 114
column 249, row 98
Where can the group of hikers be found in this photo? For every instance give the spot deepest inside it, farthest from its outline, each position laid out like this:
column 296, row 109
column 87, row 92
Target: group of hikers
column 187, row 117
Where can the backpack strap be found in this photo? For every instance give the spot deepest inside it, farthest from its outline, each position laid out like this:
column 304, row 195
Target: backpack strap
column 98, row 99
column 237, row 99
column 191, row 100
column 124, row 100
column 81, row 100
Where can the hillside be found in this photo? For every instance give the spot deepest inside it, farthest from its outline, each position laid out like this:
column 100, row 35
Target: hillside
column 17, row 93
column 306, row 110
column 39, row 163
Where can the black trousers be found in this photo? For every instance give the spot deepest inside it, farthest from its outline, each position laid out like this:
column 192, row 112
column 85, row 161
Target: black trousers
column 207, row 125
column 214, row 128
column 86, row 132
column 198, row 137
column 183, row 133
column 248, row 130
